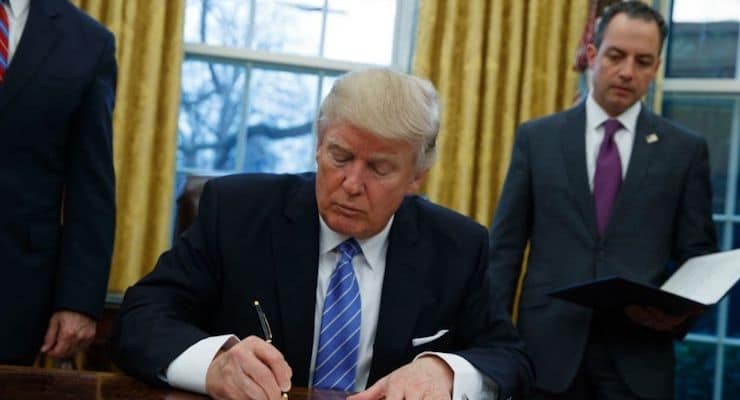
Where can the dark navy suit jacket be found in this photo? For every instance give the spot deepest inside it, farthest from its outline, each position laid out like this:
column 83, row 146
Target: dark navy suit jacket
column 662, row 214
column 57, row 203
column 257, row 238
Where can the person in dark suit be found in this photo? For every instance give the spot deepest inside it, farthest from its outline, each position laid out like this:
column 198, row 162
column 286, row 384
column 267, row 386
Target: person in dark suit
column 275, row 239
column 57, row 205
column 605, row 188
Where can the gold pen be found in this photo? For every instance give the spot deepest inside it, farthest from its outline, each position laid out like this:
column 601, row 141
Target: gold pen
column 266, row 331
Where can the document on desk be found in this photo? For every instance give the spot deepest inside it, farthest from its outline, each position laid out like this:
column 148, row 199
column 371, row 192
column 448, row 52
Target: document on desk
column 699, row 282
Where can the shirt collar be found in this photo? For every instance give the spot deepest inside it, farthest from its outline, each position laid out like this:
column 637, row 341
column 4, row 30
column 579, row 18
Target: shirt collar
column 18, row 7
column 373, row 248
column 595, row 115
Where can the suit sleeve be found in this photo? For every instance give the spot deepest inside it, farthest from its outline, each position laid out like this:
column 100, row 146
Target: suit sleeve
column 694, row 234
column 89, row 194
column 512, row 224
column 495, row 347
column 168, row 310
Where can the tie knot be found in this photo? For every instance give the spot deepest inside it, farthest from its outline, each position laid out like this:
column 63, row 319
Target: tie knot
column 611, row 126
column 349, row 248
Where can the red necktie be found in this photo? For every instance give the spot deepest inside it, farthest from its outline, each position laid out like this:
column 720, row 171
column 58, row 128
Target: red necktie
column 608, row 175
column 4, row 41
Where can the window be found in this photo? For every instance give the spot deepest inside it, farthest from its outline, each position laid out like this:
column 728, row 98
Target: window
column 702, row 92
column 255, row 72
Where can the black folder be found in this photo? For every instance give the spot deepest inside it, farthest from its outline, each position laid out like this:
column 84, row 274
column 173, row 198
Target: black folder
column 614, row 293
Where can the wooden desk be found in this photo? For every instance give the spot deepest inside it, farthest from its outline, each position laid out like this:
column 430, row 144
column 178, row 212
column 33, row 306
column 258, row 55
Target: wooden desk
column 21, row 383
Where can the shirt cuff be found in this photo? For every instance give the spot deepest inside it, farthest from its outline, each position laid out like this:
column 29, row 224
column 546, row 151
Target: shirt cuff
column 188, row 371
column 468, row 382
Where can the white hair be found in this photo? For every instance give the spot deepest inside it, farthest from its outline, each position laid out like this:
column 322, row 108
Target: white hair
column 388, row 104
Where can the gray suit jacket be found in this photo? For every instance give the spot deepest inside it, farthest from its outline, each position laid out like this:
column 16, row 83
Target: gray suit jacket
column 662, row 214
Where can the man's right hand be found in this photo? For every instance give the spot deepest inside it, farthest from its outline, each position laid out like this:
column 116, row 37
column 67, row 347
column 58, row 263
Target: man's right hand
column 251, row 369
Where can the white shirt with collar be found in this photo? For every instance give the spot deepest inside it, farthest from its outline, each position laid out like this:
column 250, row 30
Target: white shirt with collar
column 624, row 137
column 17, row 17
column 188, row 371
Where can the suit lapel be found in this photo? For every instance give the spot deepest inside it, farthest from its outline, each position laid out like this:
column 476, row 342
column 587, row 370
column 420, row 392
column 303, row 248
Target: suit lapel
column 296, row 247
column 642, row 154
column 39, row 37
column 406, row 264
column 573, row 146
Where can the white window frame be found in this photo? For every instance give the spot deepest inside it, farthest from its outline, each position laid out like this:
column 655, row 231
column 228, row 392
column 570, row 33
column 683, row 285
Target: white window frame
column 402, row 54
column 731, row 215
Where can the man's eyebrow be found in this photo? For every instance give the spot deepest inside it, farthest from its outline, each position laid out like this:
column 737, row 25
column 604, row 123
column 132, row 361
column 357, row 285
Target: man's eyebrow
column 384, row 157
column 614, row 49
column 336, row 145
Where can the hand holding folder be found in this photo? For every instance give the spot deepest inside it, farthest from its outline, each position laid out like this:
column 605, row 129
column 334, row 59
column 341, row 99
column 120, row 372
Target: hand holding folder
column 658, row 320
column 700, row 282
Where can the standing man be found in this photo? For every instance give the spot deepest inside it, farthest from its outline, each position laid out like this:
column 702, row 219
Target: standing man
column 57, row 203
column 365, row 284
column 605, row 188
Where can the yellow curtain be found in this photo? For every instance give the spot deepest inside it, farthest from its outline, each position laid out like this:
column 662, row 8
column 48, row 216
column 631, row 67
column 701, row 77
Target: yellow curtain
column 495, row 64
column 149, row 54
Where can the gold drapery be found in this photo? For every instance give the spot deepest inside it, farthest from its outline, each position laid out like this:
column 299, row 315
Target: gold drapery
column 495, row 64
column 149, row 54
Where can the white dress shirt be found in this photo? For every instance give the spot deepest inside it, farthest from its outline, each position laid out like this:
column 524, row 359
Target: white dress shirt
column 17, row 17
column 624, row 137
column 188, row 371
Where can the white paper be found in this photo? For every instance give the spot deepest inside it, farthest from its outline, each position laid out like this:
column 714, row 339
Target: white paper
column 706, row 279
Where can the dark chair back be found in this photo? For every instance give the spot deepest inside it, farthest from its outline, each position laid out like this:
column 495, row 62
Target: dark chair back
column 187, row 202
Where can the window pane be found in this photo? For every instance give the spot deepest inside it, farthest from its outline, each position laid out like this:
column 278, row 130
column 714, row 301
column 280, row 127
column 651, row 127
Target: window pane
column 218, row 22
column 281, row 114
column 733, row 319
column 326, row 85
column 710, row 116
column 709, row 28
column 707, row 323
column 731, row 383
column 360, row 30
column 728, row 235
column 211, row 108
column 284, row 26
column 288, row 26
column 694, row 370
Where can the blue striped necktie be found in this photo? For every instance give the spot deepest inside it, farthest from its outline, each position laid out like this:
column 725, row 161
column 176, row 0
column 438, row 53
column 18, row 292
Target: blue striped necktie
column 339, row 339
column 4, row 41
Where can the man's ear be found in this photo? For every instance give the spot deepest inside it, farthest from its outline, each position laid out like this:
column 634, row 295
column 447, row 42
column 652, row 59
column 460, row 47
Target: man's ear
column 591, row 52
column 319, row 141
column 415, row 184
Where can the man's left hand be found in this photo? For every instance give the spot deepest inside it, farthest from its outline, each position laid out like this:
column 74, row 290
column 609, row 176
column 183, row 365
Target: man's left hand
column 68, row 333
column 427, row 377
column 656, row 319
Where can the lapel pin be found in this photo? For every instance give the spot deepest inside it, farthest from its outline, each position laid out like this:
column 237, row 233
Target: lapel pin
column 651, row 138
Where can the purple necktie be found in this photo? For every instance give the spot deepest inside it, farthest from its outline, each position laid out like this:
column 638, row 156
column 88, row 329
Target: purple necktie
column 608, row 175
